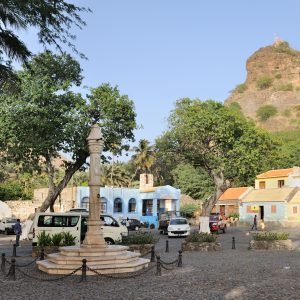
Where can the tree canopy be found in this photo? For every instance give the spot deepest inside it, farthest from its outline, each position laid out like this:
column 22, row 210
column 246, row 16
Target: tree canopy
column 53, row 19
column 45, row 118
column 228, row 147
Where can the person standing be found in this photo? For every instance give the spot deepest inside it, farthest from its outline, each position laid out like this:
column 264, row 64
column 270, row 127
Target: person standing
column 254, row 226
column 18, row 232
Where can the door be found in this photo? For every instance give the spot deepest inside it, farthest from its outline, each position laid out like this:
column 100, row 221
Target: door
column 261, row 212
column 222, row 210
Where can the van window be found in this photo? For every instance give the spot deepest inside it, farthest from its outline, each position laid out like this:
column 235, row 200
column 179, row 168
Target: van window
column 57, row 221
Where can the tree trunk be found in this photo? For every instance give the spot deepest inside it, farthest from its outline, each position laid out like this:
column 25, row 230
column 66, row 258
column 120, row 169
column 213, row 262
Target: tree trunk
column 53, row 194
column 221, row 185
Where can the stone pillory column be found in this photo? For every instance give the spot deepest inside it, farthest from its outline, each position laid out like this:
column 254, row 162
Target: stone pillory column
column 94, row 236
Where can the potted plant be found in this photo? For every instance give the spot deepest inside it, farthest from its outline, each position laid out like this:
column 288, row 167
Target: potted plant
column 271, row 241
column 200, row 241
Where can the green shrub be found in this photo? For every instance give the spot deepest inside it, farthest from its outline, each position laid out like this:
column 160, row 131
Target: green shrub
column 57, row 239
column 270, row 236
column 264, row 82
column 68, row 239
column 240, row 88
column 235, row 106
column 233, row 216
column 44, row 239
column 278, row 76
column 285, row 87
column 12, row 191
column 201, row 237
column 265, row 112
column 188, row 210
column 284, row 47
column 139, row 238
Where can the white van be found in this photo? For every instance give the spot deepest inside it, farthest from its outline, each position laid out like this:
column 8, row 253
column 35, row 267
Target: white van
column 76, row 224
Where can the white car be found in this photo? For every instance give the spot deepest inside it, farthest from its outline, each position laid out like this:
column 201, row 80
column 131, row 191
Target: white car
column 7, row 225
column 179, row 227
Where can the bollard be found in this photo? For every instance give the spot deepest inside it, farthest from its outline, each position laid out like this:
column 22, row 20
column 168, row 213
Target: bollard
column 42, row 257
column 14, row 250
column 233, row 242
column 167, row 246
column 12, row 270
column 158, row 266
column 3, row 270
column 179, row 258
column 83, row 270
column 152, row 254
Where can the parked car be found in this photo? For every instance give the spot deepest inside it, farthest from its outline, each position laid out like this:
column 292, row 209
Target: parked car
column 7, row 225
column 133, row 224
column 164, row 220
column 216, row 224
column 179, row 226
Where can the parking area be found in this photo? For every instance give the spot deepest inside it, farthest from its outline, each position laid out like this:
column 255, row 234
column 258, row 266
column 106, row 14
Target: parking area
column 224, row 274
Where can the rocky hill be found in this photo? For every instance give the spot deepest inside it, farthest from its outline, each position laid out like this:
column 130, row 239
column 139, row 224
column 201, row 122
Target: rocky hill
column 271, row 93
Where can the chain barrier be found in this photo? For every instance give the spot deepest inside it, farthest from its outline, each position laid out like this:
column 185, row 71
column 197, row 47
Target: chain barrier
column 169, row 263
column 28, row 264
column 49, row 279
column 121, row 276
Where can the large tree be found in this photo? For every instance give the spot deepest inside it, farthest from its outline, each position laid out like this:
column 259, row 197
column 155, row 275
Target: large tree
column 221, row 142
column 45, row 118
column 52, row 18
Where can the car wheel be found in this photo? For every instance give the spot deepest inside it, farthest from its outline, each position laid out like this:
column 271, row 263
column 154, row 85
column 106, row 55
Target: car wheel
column 152, row 226
column 109, row 241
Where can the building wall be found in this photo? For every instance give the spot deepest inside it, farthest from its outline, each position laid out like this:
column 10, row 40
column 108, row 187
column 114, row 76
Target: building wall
column 271, row 183
column 273, row 211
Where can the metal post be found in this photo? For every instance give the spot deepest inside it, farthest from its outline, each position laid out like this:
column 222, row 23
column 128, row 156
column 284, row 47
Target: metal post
column 167, row 246
column 14, row 250
column 158, row 266
column 152, row 254
column 233, row 242
column 83, row 270
column 179, row 259
column 12, row 270
column 3, row 263
column 42, row 257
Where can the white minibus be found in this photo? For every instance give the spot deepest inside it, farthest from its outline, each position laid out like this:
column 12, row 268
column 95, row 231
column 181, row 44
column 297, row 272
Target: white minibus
column 76, row 224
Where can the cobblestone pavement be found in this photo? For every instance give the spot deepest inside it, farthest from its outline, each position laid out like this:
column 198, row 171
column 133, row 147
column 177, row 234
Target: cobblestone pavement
column 225, row 274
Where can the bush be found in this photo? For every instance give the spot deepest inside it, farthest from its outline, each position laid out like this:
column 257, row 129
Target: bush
column 233, row 216
column 188, row 210
column 12, row 191
column 44, row 239
column 68, row 239
column 235, row 106
column 264, row 82
column 139, row 238
column 284, row 47
column 57, row 239
column 271, row 236
column 265, row 112
column 278, row 76
column 201, row 237
column 240, row 88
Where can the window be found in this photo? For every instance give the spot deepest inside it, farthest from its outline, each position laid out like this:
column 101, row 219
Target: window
column 132, row 205
column 295, row 209
column 117, row 205
column 103, row 205
column 147, row 207
column 280, row 183
column 85, row 203
column 273, row 209
column 262, row 184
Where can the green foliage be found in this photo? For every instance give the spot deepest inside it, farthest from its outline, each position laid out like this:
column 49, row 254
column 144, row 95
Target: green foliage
column 264, row 82
column 270, row 236
column 265, row 112
column 192, row 181
column 13, row 191
column 240, row 88
column 284, row 47
column 201, row 237
column 235, row 106
column 68, row 239
column 234, row 216
column 285, row 87
column 139, row 238
column 188, row 210
column 57, row 239
column 44, row 239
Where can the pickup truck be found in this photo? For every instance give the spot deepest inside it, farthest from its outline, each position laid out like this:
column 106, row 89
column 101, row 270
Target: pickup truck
column 7, row 225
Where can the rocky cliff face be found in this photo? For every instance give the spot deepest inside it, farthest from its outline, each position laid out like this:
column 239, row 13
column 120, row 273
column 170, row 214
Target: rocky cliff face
column 271, row 92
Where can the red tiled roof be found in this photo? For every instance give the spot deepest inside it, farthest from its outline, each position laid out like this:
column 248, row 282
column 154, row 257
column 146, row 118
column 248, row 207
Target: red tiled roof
column 276, row 173
column 233, row 193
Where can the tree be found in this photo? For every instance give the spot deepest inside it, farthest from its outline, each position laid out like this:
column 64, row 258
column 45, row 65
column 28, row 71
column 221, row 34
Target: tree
column 223, row 143
column 116, row 175
column 53, row 19
column 45, row 118
column 144, row 157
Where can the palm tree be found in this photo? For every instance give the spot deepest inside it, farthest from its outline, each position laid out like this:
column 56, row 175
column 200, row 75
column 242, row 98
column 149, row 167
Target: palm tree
column 144, row 157
column 115, row 176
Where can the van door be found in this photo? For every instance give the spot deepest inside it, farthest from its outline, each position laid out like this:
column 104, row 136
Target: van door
column 112, row 230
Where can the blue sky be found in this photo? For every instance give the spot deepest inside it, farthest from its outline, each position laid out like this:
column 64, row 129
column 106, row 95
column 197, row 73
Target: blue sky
column 158, row 51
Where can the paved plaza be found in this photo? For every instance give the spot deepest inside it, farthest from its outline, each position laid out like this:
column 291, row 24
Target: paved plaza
column 225, row 274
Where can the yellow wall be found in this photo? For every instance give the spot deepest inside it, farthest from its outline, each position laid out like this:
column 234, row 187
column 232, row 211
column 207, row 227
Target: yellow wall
column 270, row 183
